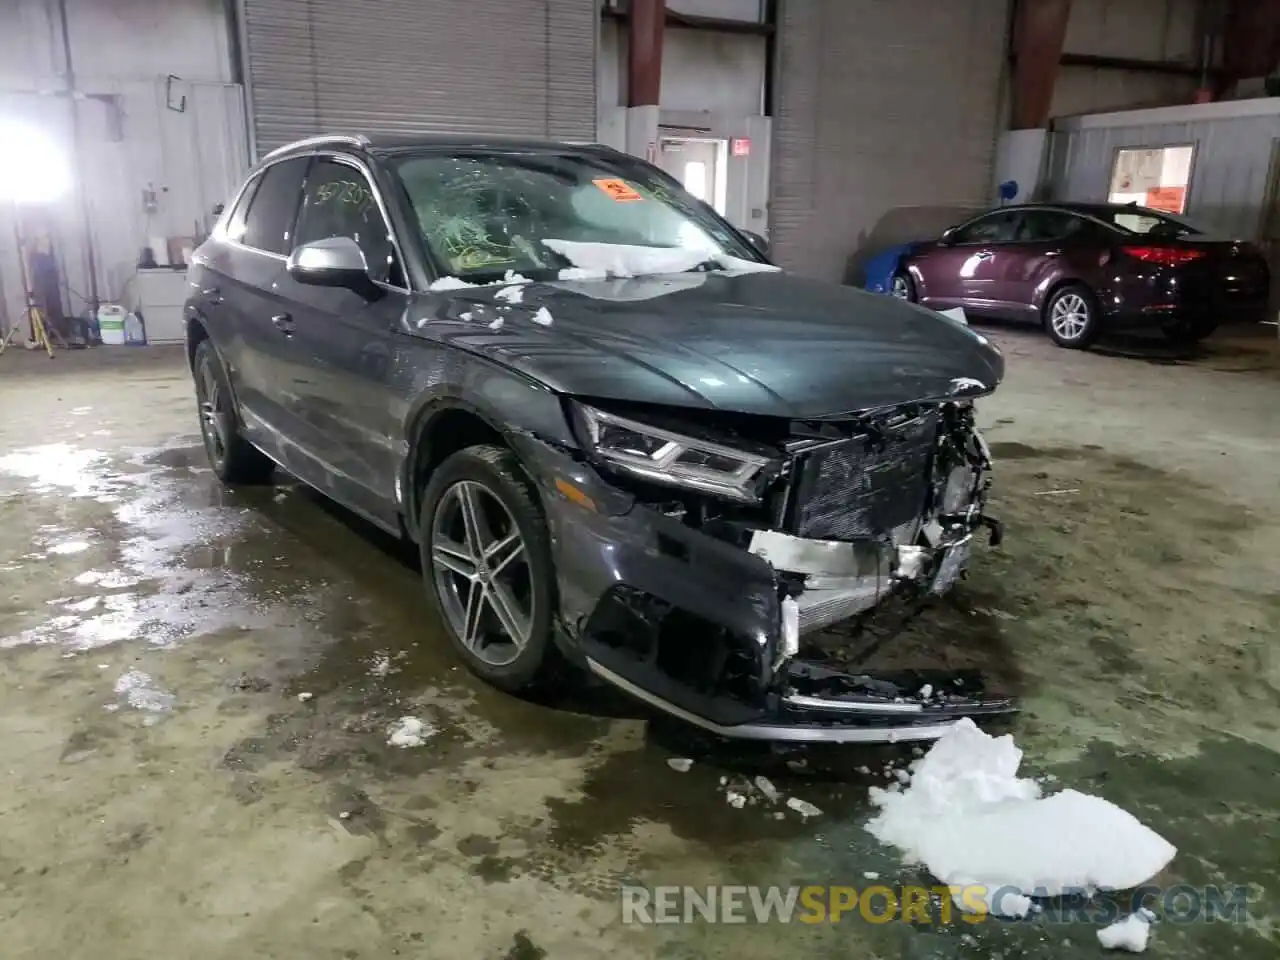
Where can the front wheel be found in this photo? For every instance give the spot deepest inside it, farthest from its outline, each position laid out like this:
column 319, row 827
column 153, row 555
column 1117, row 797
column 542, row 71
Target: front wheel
column 486, row 558
column 902, row 287
column 1072, row 317
column 234, row 460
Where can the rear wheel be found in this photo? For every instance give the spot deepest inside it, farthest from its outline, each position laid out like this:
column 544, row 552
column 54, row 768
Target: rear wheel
column 902, row 286
column 1072, row 317
column 486, row 558
column 234, row 460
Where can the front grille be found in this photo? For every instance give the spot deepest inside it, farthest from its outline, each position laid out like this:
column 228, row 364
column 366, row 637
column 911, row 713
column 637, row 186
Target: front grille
column 865, row 486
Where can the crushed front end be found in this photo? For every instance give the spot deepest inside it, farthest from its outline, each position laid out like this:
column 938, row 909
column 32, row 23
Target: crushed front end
column 696, row 565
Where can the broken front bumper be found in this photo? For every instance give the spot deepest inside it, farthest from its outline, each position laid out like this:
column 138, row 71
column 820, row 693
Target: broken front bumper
column 708, row 632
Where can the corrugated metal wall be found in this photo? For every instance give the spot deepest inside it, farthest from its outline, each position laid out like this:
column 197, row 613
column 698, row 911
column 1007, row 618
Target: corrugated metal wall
column 882, row 105
column 1228, row 175
column 514, row 67
column 1155, row 30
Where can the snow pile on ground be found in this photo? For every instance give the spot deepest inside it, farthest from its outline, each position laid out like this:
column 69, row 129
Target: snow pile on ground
column 970, row 819
column 1131, row 933
column 604, row 260
column 141, row 693
column 410, row 732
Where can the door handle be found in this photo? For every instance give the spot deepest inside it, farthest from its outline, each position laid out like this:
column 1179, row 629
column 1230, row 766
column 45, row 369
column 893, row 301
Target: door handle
column 985, row 255
column 284, row 323
column 213, row 294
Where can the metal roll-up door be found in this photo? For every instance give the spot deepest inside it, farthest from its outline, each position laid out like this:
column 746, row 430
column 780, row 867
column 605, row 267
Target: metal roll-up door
column 503, row 67
column 882, row 105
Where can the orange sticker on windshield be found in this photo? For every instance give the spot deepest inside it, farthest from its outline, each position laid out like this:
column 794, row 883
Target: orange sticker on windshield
column 619, row 190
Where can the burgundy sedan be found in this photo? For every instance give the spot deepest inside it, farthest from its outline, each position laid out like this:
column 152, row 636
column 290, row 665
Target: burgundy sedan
column 1082, row 268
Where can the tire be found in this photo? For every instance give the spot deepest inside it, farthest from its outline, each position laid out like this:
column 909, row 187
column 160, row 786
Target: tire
column 1072, row 317
column 233, row 458
column 1190, row 332
column 902, row 287
column 518, row 596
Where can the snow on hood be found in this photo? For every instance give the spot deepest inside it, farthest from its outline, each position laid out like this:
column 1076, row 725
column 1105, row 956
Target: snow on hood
column 970, row 819
column 446, row 283
column 621, row 260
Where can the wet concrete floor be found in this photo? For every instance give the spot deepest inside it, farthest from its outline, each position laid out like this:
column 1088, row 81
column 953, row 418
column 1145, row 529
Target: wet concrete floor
column 198, row 684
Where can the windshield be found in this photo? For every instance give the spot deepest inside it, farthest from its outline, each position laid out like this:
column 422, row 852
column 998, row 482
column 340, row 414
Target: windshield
column 1144, row 222
column 544, row 215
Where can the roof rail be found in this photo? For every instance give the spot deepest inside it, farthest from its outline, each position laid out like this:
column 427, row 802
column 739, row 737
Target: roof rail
column 354, row 140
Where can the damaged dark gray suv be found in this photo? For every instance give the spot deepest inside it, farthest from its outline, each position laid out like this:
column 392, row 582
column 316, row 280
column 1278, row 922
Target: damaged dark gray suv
column 620, row 437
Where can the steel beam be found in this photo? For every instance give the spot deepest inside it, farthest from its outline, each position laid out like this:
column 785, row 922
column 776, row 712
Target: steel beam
column 1039, row 29
column 645, row 22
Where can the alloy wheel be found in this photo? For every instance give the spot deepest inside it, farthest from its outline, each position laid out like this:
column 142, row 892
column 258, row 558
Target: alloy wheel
column 482, row 573
column 215, row 424
column 900, row 288
column 1070, row 316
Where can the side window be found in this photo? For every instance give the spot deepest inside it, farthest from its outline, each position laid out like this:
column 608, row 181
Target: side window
column 270, row 215
column 339, row 202
column 1045, row 225
column 236, row 221
column 993, row 228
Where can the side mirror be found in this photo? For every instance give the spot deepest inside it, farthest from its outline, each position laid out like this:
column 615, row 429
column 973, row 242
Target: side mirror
column 948, row 236
column 335, row 262
column 757, row 241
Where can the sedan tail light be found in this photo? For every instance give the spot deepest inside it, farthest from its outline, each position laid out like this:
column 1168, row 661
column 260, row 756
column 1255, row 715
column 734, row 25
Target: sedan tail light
column 1164, row 256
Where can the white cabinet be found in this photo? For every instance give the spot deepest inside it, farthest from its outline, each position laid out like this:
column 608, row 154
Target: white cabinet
column 160, row 294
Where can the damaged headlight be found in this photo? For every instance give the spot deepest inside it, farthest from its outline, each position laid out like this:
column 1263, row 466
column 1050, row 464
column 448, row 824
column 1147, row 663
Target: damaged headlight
column 671, row 458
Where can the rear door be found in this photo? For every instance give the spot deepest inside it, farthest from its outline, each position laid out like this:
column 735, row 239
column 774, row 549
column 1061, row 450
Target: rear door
column 341, row 346
column 1049, row 242
column 254, row 300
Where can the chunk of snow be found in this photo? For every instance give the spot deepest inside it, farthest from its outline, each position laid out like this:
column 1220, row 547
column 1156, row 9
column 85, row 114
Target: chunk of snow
column 765, row 786
column 496, row 323
column 903, row 775
column 441, row 284
column 542, row 317
column 736, row 800
column 409, row 732
column 870, row 875
column 466, row 315
column 141, row 693
column 510, row 294
column 926, row 691
column 864, row 770
column 968, row 817
column 680, row 764
column 1000, row 901
column 803, row 807
column 512, row 277
column 598, row 261
column 1131, row 933
column 304, row 696
column 737, row 265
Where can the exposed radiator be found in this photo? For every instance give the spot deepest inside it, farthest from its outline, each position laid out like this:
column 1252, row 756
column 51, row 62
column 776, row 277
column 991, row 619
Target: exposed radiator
column 864, row 488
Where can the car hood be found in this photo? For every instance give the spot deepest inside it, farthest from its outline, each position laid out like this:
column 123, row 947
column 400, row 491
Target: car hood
column 758, row 343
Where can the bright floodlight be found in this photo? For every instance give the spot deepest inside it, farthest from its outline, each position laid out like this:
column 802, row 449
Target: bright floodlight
column 32, row 167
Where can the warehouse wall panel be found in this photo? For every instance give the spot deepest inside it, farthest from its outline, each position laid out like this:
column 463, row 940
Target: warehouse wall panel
column 510, row 67
column 137, row 132
column 883, row 105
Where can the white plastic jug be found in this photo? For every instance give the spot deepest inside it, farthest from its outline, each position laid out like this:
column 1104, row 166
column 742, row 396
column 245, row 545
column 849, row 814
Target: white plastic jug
column 111, row 317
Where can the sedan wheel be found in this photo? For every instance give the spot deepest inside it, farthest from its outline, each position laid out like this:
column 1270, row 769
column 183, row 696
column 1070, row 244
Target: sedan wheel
column 1072, row 318
column 900, row 287
column 482, row 572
